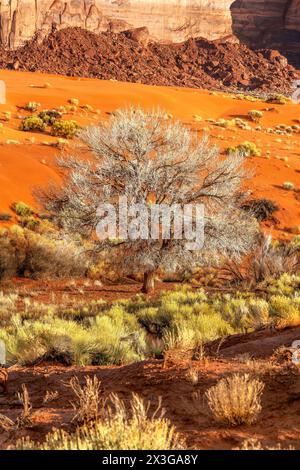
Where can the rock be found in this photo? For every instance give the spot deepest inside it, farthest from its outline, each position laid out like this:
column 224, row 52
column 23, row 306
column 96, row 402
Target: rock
column 258, row 23
column 139, row 35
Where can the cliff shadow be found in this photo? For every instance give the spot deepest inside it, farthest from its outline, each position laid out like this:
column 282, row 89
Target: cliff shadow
column 263, row 26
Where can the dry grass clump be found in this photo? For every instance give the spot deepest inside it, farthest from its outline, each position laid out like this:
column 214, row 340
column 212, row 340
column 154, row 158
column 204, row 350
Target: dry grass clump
column 25, row 419
column 255, row 444
column 90, row 400
column 120, row 429
column 26, row 253
column 50, row 396
column 236, row 399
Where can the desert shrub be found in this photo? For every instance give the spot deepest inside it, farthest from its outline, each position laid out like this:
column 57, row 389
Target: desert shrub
column 285, row 311
column 89, row 399
column 74, row 101
column 4, row 217
column 256, row 445
column 31, row 223
column 103, row 340
column 22, row 209
column 249, row 149
column 29, row 254
column 277, row 98
column 261, row 209
column 268, row 262
column 236, row 399
column 286, row 285
column 288, row 186
column 32, row 106
column 118, row 430
column 65, row 129
column 32, row 123
column 50, row 116
column 255, row 115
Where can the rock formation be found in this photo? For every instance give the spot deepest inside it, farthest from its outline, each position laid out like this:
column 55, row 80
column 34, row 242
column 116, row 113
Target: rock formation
column 259, row 23
column 273, row 24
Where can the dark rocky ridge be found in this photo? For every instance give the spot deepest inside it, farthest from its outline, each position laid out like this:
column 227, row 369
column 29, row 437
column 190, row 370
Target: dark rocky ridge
column 129, row 57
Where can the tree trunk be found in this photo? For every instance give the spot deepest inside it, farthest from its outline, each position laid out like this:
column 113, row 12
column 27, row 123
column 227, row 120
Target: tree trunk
column 148, row 285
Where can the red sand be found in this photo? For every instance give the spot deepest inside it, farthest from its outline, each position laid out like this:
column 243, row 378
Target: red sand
column 27, row 165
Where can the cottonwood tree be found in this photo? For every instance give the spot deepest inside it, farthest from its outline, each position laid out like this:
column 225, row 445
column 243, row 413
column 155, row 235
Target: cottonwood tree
column 153, row 160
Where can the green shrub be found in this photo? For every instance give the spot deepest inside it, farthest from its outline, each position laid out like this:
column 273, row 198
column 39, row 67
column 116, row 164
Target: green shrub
column 255, row 115
column 32, row 123
column 277, row 98
column 22, row 209
column 49, row 116
column 32, row 106
column 249, row 149
column 65, row 129
column 4, row 217
column 103, row 341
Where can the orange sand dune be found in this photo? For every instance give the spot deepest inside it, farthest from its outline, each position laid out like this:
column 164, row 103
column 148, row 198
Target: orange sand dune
column 26, row 163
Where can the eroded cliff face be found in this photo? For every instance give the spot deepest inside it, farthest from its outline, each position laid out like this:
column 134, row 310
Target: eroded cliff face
column 167, row 20
column 268, row 23
column 259, row 23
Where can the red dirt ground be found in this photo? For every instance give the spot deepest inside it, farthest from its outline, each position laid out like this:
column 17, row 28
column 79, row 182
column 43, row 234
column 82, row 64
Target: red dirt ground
column 279, row 421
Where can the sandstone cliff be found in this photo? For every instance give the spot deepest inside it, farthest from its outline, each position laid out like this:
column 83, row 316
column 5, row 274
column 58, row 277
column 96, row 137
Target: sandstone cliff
column 272, row 23
column 167, row 20
column 259, row 23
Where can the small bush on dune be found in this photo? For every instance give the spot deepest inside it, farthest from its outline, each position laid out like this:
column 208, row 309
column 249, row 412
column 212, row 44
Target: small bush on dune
column 22, row 209
column 255, row 115
column 236, row 399
column 50, row 116
column 65, row 129
column 261, row 209
column 4, row 217
column 118, row 430
column 277, row 98
column 248, row 149
column 32, row 124
column 32, row 106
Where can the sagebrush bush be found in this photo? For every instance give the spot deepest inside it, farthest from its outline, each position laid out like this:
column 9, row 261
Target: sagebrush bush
column 22, row 209
column 103, row 340
column 118, row 430
column 32, row 123
column 249, row 149
column 29, row 254
column 32, row 106
column 50, row 116
column 65, row 129
column 255, row 115
column 277, row 98
column 236, row 399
